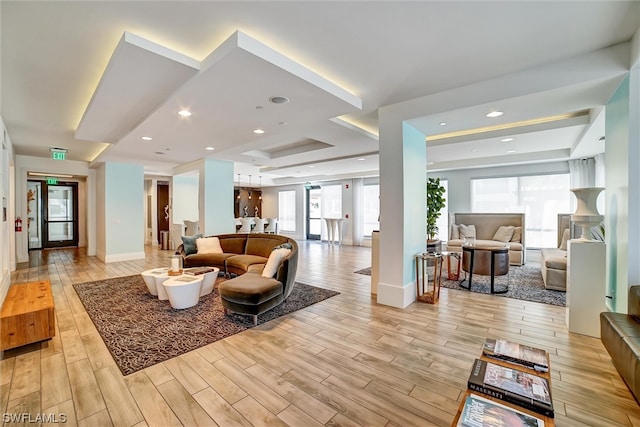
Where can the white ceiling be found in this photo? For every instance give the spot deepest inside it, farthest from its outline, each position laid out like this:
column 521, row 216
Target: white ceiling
column 71, row 78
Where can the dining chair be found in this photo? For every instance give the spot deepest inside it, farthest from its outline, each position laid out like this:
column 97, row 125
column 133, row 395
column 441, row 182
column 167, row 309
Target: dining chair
column 246, row 226
column 272, row 226
column 259, row 227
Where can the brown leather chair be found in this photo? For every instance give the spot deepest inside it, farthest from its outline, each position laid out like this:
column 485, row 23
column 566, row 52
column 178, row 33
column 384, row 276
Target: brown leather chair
column 488, row 261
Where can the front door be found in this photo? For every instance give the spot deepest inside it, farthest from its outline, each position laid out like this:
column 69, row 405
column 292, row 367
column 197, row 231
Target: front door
column 314, row 213
column 60, row 215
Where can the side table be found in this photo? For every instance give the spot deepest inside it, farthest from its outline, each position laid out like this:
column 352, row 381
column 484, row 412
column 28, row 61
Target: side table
column 428, row 276
column 453, row 273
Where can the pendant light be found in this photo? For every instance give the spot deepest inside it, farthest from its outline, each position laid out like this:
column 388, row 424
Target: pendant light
column 238, row 187
column 250, row 187
column 260, row 197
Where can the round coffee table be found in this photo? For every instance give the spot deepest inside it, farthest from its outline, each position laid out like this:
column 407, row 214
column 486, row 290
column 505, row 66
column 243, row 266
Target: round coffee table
column 183, row 291
column 153, row 279
column 486, row 260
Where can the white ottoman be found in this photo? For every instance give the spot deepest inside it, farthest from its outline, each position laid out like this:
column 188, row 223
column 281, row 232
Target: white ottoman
column 183, row 291
column 153, row 279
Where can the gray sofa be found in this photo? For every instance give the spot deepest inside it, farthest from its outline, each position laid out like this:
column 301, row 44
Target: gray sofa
column 486, row 225
column 620, row 334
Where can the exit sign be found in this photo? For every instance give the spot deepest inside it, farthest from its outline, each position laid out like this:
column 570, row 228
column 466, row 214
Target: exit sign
column 59, row 155
column 52, row 180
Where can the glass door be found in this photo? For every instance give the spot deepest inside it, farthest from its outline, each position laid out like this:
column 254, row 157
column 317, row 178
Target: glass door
column 60, row 215
column 314, row 213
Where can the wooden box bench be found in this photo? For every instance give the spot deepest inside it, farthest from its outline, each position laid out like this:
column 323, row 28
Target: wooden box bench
column 27, row 315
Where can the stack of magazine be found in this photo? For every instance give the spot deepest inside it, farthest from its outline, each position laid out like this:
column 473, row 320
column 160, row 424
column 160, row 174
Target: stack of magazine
column 530, row 357
column 481, row 412
column 512, row 385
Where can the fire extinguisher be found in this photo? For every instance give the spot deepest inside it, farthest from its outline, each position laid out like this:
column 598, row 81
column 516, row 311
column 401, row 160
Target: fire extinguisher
column 18, row 224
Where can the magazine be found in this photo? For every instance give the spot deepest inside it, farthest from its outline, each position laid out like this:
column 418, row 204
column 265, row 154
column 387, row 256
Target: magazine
column 196, row 271
column 481, row 412
column 512, row 385
column 531, row 357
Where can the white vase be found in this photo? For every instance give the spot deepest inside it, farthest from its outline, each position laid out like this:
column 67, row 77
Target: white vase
column 586, row 214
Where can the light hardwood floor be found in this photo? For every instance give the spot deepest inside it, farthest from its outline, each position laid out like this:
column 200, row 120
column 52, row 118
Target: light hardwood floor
column 346, row 361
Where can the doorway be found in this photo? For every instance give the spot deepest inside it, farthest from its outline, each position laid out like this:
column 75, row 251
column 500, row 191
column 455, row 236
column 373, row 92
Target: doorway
column 314, row 213
column 52, row 214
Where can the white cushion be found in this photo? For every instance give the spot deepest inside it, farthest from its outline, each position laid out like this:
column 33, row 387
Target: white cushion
column 467, row 231
column 504, row 233
column 455, row 231
column 274, row 261
column 565, row 237
column 209, row 245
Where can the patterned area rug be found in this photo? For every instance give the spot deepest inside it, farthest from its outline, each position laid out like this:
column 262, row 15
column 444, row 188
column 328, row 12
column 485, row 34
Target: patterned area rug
column 140, row 331
column 525, row 283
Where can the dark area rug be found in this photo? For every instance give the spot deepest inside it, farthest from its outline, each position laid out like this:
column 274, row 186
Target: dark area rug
column 525, row 283
column 365, row 271
column 140, row 331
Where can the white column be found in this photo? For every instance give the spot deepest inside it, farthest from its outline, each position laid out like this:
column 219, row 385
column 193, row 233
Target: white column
column 403, row 209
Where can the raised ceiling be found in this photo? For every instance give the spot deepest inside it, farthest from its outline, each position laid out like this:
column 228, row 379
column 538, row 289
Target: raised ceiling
column 94, row 77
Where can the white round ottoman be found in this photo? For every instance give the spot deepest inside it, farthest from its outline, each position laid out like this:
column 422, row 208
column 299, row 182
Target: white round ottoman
column 153, row 279
column 183, row 291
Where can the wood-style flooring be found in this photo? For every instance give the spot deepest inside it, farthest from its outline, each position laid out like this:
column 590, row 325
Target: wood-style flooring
column 346, row 361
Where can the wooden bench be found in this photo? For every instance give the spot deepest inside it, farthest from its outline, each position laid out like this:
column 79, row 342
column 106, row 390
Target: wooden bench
column 27, row 315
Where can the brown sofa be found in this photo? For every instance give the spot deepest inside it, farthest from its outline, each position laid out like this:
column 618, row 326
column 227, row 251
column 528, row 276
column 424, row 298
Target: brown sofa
column 620, row 334
column 486, row 225
column 245, row 256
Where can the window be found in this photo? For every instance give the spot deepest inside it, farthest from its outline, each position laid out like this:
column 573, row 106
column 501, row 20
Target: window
column 332, row 201
column 287, row 210
column 371, row 209
column 540, row 197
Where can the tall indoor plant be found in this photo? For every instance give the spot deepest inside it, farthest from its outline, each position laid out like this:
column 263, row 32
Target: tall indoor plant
column 435, row 203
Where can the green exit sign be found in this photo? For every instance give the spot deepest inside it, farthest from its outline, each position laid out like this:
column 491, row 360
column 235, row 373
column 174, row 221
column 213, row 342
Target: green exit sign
column 59, row 155
column 51, row 180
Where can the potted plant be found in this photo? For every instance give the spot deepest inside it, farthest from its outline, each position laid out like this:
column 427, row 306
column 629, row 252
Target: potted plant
column 435, row 203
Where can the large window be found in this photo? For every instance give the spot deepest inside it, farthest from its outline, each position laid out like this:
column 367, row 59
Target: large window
column 540, row 197
column 287, row 210
column 371, row 209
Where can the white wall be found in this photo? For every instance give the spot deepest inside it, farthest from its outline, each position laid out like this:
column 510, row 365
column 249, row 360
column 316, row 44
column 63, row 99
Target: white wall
column 185, row 197
column 7, row 234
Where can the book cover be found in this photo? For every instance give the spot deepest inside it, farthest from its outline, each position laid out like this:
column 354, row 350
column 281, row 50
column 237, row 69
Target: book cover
column 512, row 385
column 196, row 271
column 531, row 357
column 481, row 412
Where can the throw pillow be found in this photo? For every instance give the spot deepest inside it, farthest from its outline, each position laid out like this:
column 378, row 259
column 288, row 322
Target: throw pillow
column 565, row 238
column 504, row 233
column 209, row 245
column 284, row 245
column 455, row 231
column 189, row 243
column 274, row 261
column 467, row 231
column 517, row 234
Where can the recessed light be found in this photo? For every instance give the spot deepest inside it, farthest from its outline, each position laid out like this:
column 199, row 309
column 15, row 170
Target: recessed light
column 429, row 163
column 146, row 138
column 160, row 152
column 443, row 123
column 279, row 99
column 209, row 148
column 258, row 131
column 493, row 114
column 511, row 151
column 184, row 113
column 506, row 139
column 361, row 158
column 474, row 150
column 259, row 107
column 312, row 166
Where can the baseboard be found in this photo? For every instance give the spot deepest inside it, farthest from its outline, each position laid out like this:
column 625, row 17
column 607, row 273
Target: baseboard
column 123, row 257
column 396, row 296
